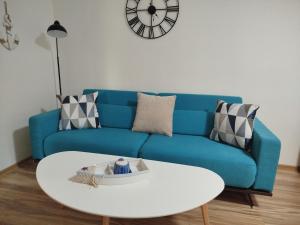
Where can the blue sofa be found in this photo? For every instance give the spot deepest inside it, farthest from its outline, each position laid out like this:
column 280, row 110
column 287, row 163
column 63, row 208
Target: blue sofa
column 192, row 123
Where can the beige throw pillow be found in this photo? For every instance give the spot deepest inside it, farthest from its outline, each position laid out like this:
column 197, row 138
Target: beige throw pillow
column 154, row 114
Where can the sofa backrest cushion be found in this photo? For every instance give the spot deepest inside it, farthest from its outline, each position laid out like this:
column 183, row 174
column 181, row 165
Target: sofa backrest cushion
column 116, row 108
column 116, row 116
column 116, row 97
column 192, row 122
column 193, row 115
column 184, row 121
column 199, row 102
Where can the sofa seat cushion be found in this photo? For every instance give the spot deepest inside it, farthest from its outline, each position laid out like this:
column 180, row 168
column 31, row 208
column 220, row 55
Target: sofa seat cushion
column 113, row 141
column 235, row 166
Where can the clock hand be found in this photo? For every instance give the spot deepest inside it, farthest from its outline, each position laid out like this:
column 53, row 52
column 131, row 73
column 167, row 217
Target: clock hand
column 174, row 8
column 141, row 10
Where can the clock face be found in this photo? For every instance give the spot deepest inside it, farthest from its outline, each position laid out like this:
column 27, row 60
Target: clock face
column 152, row 18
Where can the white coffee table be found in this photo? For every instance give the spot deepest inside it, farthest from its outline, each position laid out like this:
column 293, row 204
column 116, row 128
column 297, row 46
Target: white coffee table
column 171, row 188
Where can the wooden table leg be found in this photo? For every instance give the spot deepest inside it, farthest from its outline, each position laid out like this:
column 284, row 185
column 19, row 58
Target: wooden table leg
column 204, row 210
column 105, row 220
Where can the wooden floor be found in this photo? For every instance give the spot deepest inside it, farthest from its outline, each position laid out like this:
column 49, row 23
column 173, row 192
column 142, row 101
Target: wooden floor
column 22, row 202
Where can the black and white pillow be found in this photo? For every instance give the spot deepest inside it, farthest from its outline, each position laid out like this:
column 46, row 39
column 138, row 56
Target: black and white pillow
column 79, row 112
column 234, row 124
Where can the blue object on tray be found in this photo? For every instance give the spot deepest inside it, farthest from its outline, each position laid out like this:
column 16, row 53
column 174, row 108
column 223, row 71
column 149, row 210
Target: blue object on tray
column 121, row 166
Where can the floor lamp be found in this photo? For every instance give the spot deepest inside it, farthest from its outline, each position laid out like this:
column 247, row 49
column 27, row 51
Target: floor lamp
column 56, row 30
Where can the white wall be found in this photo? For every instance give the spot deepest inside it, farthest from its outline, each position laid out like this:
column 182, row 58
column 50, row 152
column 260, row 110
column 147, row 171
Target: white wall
column 230, row 47
column 27, row 81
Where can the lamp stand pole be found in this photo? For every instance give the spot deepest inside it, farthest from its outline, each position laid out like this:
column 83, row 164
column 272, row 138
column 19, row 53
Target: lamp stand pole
column 58, row 67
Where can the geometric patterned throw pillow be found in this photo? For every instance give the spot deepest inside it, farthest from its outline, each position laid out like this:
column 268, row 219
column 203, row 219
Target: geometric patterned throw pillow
column 234, row 124
column 79, row 112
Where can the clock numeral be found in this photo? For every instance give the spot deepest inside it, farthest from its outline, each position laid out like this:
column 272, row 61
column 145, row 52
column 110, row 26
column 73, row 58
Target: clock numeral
column 141, row 30
column 151, row 32
column 162, row 30
column 134, row 21
column 131, row 10
column 170, row 21
column 173, row 8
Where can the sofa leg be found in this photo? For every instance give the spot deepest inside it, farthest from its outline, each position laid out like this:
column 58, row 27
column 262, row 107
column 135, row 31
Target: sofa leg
column 251, row 200
column 242, row 196
column 36, row 161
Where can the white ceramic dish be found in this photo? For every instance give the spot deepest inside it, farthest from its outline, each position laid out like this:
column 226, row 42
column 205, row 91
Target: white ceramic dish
column 104, row 173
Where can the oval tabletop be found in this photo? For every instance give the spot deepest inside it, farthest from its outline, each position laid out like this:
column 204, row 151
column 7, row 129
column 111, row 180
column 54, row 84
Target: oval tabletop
column 171, row 188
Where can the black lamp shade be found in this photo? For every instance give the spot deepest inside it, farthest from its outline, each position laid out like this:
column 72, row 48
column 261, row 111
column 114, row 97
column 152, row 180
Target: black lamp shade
column 57, row 31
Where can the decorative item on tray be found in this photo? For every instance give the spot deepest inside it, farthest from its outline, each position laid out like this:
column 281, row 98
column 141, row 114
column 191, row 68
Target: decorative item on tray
column 121, row 166
column 9, row 40
column 117, row 172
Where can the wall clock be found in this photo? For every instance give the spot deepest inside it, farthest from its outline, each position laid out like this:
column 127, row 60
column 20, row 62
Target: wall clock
column 152, row 18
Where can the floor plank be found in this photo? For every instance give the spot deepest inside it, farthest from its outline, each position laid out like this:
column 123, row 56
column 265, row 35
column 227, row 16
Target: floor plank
column 22, row 202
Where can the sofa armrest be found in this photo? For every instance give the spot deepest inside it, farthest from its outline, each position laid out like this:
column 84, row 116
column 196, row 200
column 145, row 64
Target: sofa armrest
column 41, row 126
column 265, row 150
